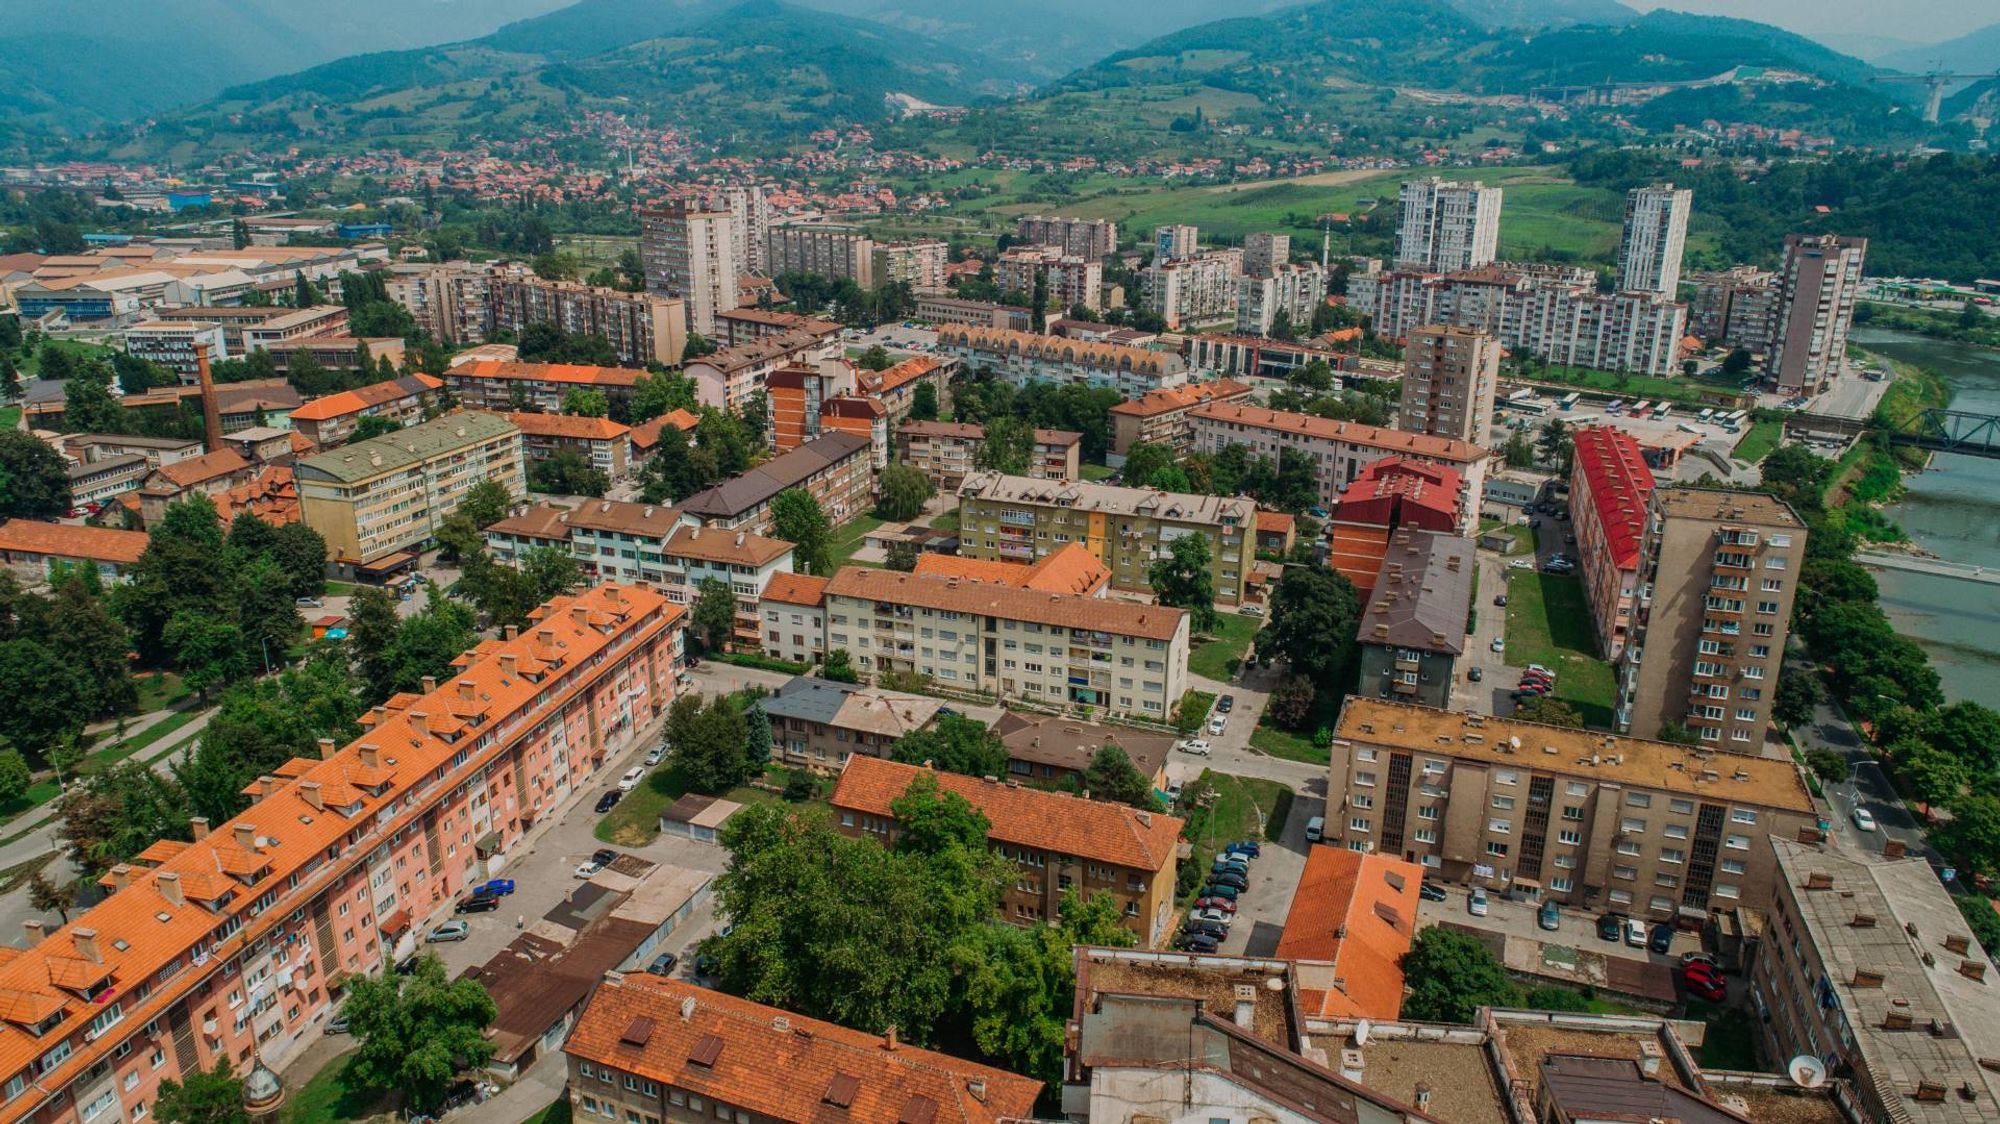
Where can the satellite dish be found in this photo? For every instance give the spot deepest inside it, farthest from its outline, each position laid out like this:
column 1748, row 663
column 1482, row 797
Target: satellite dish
column 1807, row 1071
column 1362, row 1030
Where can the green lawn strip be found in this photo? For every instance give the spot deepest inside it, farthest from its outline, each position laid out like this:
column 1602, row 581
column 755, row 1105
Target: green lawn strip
column 329, row 1098
column 160, row 690
column 1290, row 746
column 1758, row 442
column 119, row 751
column 343, row 589
column 1548, row 622
column 1232, row 814
column 1628, row 386
column 557, row 1113
column 849, row 538
column 946, row 521
column 635, row 822
column 1219, row 656
column 1096, row 471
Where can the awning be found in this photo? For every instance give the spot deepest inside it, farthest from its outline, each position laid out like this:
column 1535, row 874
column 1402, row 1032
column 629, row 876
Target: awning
column 487, row 844
column 396, row 922
column 387, row 564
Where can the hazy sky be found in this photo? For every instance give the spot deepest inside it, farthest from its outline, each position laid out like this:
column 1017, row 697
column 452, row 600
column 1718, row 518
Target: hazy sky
column 1923, row 21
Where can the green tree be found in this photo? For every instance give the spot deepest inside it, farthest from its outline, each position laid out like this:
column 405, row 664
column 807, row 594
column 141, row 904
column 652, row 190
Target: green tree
column 677, row 469
column 585, row 403
column 924, row 402
column 901, row 556
column 838, row 667
column 1022, row 991
column 108, row 817
column 1932, row 775
column 875, row 358
column 1110, row 776
column 550, row 572
column 797, row 518
column 212, row 1096
column 1736, row 362
column 957, row 744
column 47, row 895
column 1008, row 446
column 34, row 483
column 418, row 1032
column 1144, row 462
column 1185, row 579
column 421, row 645
column 757, row 736
column 714, row 616
column 705, row 740
column 1549, row 710
column 304, row 293
column 375, row 425
column 566, row 472
column 1674, row 733
column 1556, row 446
column 209, row 652
column 1797, row 694
column 485, row 503
column 1314, row 614
column 902, row 490
column 1973, row 835
column 1451, row 976
column 1518, row 452
column 89, row 408
column 1294, row 703
column 14, row 775
column 662, row 392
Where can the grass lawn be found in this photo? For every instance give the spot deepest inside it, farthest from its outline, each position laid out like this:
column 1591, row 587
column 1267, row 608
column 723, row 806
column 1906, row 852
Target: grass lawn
column 1290, row 746
column 557, row 1113
column 1218, row 656
column 1731, row 1042
column 1628, row 386
column 1758, row 442
column 160, row 690
column 328, row 1098
column 848, row 539
column 1221, row 808
column 635, row 822
column 946, row 521
column 1096, row 471
column 342, row 589
column 1196, row 704
column 1548, row 623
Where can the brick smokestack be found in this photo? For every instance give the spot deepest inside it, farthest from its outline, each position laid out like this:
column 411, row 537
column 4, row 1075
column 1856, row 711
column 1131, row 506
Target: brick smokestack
column 211, row 409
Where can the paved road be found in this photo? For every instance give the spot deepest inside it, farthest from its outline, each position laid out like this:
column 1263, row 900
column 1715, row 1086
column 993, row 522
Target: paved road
column 1866, row 787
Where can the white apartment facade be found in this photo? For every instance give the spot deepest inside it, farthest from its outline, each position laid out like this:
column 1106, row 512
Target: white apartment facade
column 1656, row 226
column 1070, row 280
column 691, row 253
column 1293, row 290
column 1447, row 226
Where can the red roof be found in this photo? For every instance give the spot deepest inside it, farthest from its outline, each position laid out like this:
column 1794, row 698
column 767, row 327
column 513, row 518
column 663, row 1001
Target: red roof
column 647, row 434
column 1403, row 492
column 795, row 589
column 1359, row 913
column 62, row 540
column 1612, row 474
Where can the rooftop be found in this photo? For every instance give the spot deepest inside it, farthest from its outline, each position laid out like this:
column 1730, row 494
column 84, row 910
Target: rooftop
column 1421, row 593
column 1027, row 817
column 1447, row 449
column 1727, row 777
column 1719, row 506
column 1070, row 568
column 1111, row 499
column 568, row 427
column 645, row 435
column 749, row 490
column 757, row 352
column 580, row 374
column 964, row 431
column 887, row 713
column 364, row 460
column 1089, row 614
column 1184, row 397
column 360, row 398
column 61, row 540
column 734, row 548
column 1070, row 743
column 216, row 463
column 795, row 589
column 1057, row 349
column 1357, row 913
column 1608, row 463
column 784, row 1066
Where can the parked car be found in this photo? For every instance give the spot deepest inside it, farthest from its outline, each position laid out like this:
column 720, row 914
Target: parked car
column 1225, row 905
column 1225, row 866
column 449, row 931
column 1549, row 917
column 1864, row 819
column 1215, row 890
column 1431, row 891
column 1218, row 916
column 336, row 1025
column 1499, row 644
column 1635, row 932
column 1229, row 878
column 1688, row 958
column 1216, row 725
column 608, row 801
column 603, row 856
column 1248, row 846
column 1707, row 989
column 478, row 903
column 1212, row 929
column 631, row 779
column 1538, row 669
column 1173, row 792
column 1476, row 674
column 307, row 602
column 1315, row 829
column 663, row 964
column 1520, row 564
column 1476, row 902
column 494, row 888
column 1196, row 942
column 1250, row 610
column 1225, row 704
column 1610, row 927
column 1196, row 746
column 656, row 755
column 1501, row 601
column 408, row 964
column 1661, row 938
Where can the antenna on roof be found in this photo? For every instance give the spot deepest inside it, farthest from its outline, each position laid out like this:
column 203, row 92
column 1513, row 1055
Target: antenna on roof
column 1806, row 1071
column 1362, row 1030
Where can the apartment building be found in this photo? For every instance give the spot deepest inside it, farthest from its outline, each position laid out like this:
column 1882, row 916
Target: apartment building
column 1193, row 292
column 1447, row 226
column 1290, row 291
column 948, row 452
column 749, row 325
column 502, row 385
column 611, row 539
column 1868, row 965
column 838, row 252
column 1053, row 748
column 1265, row 253
column 1160, row 417
column 650, row 1048
column 1655, row 238
column 210, row 474
column 1021, row 519
column 1736, row 307
column 377, row 501
column 1057, row 841
column 749, row 208
column 1339, row 450
column 1412, row 630
column 835, row 468
column 1449, row 378
column 155, row 451
column 1176, row 241
column 329, row 420
column 240, row 942
column 920, row 264
column 1718, row 572
column 690, row 252
column 1817, row 287
column 31, row 547
column 343, row 353
column 171, row 344
column 1057, row 649
column 1023, row 357
column 642, row 328
column 1651, row 829
column 1240, row 356
column 1610, row 491
column 603, row 444
column 727, row 379
column 817, row 724
column 979, row 314
column 743, row 562
column 1068, row 280
column 1553, row 311
column 793, row 607
column 1094, row 239
column 896, row 387
column 449, row 300
column 296, row 324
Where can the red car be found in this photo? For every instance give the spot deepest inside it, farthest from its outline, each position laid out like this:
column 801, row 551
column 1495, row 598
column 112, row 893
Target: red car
column 1706, row 987
column 1223, row 904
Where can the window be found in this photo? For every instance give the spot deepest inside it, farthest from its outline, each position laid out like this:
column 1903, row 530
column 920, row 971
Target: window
column 1661, row 905
column 1573, row 812
column 1638, row 799
column 1742, row 815
column 1362, row 800
column 1427, row 811
column 1500, row 827
column 1361, row 823
column 1676, row 831
column 1724, row 890
column 1628, row 848
column 1620, row 897
column 1576, row 788
column 1504, row 776
column 1736, row 842
column 1732, row 866
column 1561, row 885
column 1503, row 803
column 1425, row 835
column 1366, row 780
column 1570, row 838
column 1632, row 826
column 1496, row 848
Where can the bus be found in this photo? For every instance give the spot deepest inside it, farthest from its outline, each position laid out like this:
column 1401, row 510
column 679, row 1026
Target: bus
column 1529, row 406
column 1570, row 400
column 1615, row 406
column 1641, row 410
column 1705, row 415
column 1524, row 394
column 1663, row 409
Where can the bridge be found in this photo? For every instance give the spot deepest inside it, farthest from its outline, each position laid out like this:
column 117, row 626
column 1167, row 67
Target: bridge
column 1935, row 567
column 1938, row 430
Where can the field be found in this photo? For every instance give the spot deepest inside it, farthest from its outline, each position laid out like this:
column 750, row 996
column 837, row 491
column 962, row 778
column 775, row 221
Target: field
column 635, row 821
column 1217, row 659
column 1548, row 623
column 848, row 539
column 1758, row 442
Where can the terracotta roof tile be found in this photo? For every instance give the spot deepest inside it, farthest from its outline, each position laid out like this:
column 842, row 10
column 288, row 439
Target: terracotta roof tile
column 1153, row 622
column 201, row 469
column 1446, row 449
column 98, row 544
column 1359, row 913
column 568, row 426
column 647, row 434
column 739, row 548
column 1184, row 397
column 361, row 397
column 580, row 374
column 796, row 589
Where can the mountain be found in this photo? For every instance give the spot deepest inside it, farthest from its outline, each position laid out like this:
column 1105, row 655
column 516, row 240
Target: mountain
column 1975, row 52
column 749, row 71
column 1868, row 48
column 1532, row 14
column 78, row 64
column 1043, row 41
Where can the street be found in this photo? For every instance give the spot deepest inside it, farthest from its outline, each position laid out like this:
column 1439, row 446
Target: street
column 1866, row 786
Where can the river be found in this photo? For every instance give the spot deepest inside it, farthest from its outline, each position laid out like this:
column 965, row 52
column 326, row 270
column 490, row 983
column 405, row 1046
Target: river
column 1953, row 510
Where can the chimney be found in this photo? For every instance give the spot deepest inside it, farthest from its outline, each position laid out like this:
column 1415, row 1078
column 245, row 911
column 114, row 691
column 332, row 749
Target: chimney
column 422, row 722
column 211, row 410
column 86, row 945
column 509, row 633
column 325, row 748
column 199, row 826
column 1819, row 880
column 266, row 786
column 612, row 596
column 309, row 792
column 582, row 615
column 1957, row 944
column 121, row 877
column 468, row 690
column 1245, row 1015
column 1894, row 849
column 507, row 664
column 1972, row 969
column 169, row 885
column 370, row 756
column 889, row 1038
column 430, row 684
column 246, row 836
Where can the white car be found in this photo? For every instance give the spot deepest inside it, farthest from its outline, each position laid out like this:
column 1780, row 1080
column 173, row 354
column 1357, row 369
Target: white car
column 1499, row 643
column 1215, row 726
column 656, row 755
column 1196, row 746
column 1864, row 819
column 1250, row 610
column 1520, row 564
column 631, row 779
column 1215, row 915
column 588, row 867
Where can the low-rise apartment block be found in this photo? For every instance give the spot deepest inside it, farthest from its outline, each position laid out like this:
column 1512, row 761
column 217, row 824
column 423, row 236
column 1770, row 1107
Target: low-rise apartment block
column 1610, row 489
column 171, row 344
column 948, row 452
column 1339, row 450
column 99, row 481
column 978, row 314
column 1652, row 829
column 32, row 547
column 641, row 327
column 330, row 420
column 1718, row 572
column 1057, row 841
column 739, row 326
column 650, row 1048
column 1023, row 357
column 1052, row 748
column 339, row 865
column 727, row 378
column 296, row 324
column 1868, row 965
column 1058, row 649
column 743, row 562
column 1413, row 628
column 375, row 502
column 896, row 387
column 1021, row 519
column 818, row 724
column 1160, row 417
column 836, row 468
column 1066, row 280
column 612, row 540
column 602, row 443
column 502, row 386
column 793, row 608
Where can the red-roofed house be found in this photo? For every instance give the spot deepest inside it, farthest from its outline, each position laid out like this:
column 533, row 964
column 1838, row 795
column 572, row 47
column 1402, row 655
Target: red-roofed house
column 1609, row 486
column 646, row 436
column 793, row 608
column 1353, row 917
column 35, row 546
column 604, row 443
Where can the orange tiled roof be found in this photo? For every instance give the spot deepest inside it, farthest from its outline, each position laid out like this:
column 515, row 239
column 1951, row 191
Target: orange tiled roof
column 568, row 426
column 1275, row 522
column 784, row 1066
column 1070, row 568
column 712, row 544
column 97, row 544
column 1357, row 912
column 647, row 434
column 199, row 470
column 1183, row 397
column 796, row 589
column 271, row 495
column 1027, row 817
column 893, row 378
column 1358, row 551
column 361, row 397
column 933, row 565
column 1153, row 622
column 581, row 374
column 1445, row 449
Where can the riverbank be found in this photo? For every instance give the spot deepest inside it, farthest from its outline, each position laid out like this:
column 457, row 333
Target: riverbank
column 1873, row 473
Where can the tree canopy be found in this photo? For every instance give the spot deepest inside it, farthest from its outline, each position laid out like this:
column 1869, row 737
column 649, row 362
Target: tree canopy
column 418, row 1032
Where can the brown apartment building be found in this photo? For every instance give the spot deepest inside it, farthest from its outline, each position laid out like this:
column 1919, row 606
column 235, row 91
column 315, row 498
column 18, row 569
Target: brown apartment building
column 1718, row 572
column 1160, row 417
column 327, row 421
column 948, row 452
column 649, row 1049
column 1650, row 829
column 835, row 468
column 1449, row 376
column 1057, row 841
